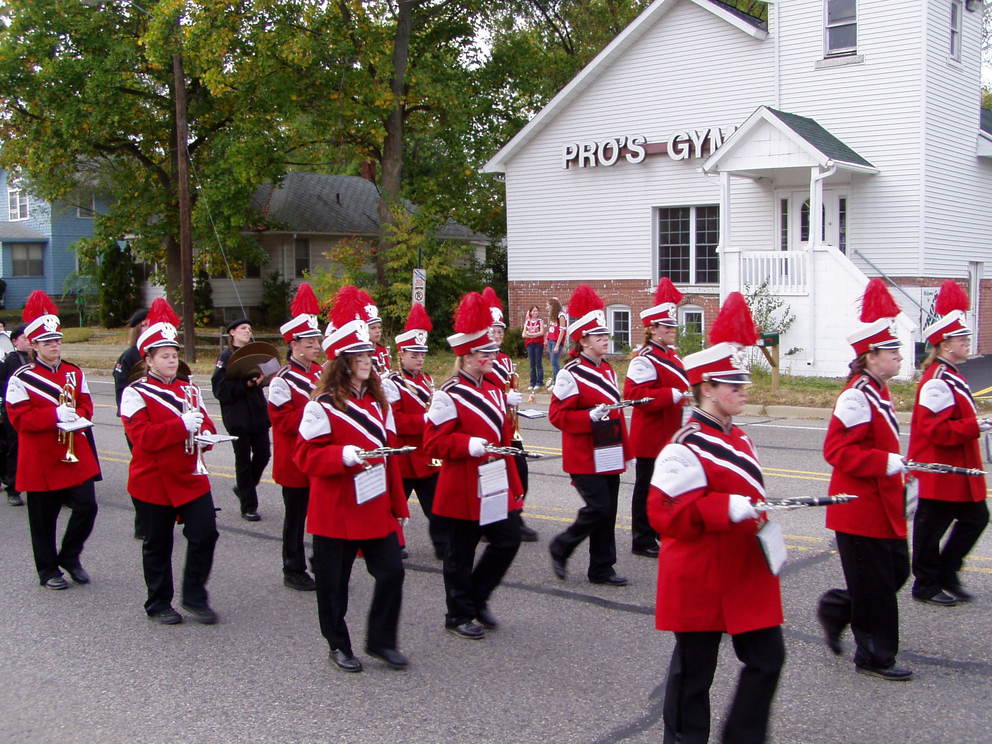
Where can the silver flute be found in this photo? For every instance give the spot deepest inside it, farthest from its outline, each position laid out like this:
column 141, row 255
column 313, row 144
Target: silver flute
column 939, row 467
column 385, row 451
column 625, row 404
column 495, row 449
column 800, row 502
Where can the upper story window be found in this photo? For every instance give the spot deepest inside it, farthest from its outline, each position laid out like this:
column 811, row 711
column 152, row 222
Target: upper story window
column 955, row 39
column 17, row 203
column 86, row 209
column 840, row 27
column 301, row 253
column 687, row 241
column 27, row 259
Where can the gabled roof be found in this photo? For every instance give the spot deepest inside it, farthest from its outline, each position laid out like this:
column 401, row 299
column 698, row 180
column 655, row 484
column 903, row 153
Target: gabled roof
column 623, row 41
column 316, row 203
column 20, row 231
column 806, row 134
column 756, row 22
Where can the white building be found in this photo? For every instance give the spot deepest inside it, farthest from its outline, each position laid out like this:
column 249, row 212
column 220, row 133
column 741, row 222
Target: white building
column 839, row 140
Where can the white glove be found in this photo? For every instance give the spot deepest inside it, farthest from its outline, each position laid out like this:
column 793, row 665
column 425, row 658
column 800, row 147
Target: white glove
column 677, row 396
column 896, row 464
column 65, row 414
column 477, row 446
column 514, row 398
column 984, row 424
column 192, row 420
column 403, row 521
column 599, row 413
column 350, row 456
column 740, row 508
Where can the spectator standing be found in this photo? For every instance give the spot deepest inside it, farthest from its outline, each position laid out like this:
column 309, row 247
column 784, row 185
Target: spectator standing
column 533, row 333
column 557, row 322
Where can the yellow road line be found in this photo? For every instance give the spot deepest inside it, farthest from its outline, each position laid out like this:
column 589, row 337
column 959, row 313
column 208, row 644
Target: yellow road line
column 983, row 391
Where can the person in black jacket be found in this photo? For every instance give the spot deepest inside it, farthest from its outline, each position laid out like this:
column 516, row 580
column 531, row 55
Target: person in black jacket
column 246, row 416
column 122, row 371
column 15, row 359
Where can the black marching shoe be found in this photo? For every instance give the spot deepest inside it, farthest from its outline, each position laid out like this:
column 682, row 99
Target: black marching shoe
column 559, row 566
column 301, row 582
column 527, row 534
column 14, row 499
column 959, row 593
column 201, row 613
column 345, row 660
column 389, row 656
column 168, row 616
column 468, row 630
column 891, row 674
column 250, row 516
column 55, row 582
column 649, row 552
column 78, row 574
column 831, row 633
column 941, row 599
column 486, row 619
column 613, row 580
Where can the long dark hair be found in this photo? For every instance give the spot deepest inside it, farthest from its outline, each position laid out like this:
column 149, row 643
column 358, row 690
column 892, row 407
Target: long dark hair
column 335, row 380
column 555, row 305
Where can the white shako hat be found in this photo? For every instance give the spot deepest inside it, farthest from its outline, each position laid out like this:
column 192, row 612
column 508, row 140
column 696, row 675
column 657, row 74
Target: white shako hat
column 952, row 304
column 665, row 310
column 347, row 333
column 732, row 331
column 472, row 322
column 418, row 326
column 878, row 313
column 305, row 310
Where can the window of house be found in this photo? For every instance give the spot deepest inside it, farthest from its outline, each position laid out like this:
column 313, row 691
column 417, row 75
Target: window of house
column 618, row 321
column 955, row 39
column 27, row 259
column 86, row 212
column 842, row 224
column 691, row 320
column 783, row 226
column 687, row 241
column 804, row 222
column 301, row 252
column 17, row 203
column 248, row 270
column 840, row 27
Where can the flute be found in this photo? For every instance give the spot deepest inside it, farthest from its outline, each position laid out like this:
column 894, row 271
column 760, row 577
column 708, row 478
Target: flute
column 800, row 502
column 625, row 404
column 495, row 449
column 385, row 451
column 939, row 467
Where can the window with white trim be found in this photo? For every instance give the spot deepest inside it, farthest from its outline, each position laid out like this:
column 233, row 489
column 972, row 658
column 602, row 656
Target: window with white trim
column 17, row 203
column 27, row 259
column 86, row 212
column 618, row 321
column 687, row 241
column 301, row 255
column 840, row 27
column 957, row 13
column 691, row 320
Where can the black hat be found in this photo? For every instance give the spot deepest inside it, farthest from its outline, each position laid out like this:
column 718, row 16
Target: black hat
column 17, row 332
column 137, row 318
column 235, row 323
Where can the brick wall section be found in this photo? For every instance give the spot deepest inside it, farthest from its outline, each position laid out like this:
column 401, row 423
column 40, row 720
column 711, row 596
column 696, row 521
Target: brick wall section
column 982, row 340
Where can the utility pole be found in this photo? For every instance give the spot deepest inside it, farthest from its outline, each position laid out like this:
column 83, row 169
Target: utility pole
column 185, row 216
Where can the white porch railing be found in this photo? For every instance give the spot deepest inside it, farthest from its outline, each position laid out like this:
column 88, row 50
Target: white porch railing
column 785, row 272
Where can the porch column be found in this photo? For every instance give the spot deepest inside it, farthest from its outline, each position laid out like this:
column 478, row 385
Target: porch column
column 730, row 256
column 815, row 208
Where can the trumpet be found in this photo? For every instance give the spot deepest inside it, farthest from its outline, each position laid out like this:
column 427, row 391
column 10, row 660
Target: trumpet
column 495, row 449
column 67, row 398
column 191, row 402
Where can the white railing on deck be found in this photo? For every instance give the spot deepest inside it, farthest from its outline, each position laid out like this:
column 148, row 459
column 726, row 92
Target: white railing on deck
column 785, row 272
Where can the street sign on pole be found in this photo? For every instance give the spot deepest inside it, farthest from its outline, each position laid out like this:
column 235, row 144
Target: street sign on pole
column 420, row 286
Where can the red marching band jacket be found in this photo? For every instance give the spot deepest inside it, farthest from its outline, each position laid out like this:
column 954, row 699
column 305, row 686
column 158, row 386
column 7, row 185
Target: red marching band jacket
column 712, row 574
column 462, row 409
column 580, row 386
column 334, row 510
column 656, row 372
column 289, row 392
column 862, row 432
column 944, row 429
column 31, row 399
column 381, row 360
column 409, row 412
column 161, row 471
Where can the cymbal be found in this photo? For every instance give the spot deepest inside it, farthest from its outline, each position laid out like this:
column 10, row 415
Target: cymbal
column 139, row 370
column 248, row 361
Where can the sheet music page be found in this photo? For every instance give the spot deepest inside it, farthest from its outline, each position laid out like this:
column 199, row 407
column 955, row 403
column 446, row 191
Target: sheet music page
column 493, row 478
column 772, row 543
column 493, row 508
column 608, row 459
column 80, row 423
column 370, row 483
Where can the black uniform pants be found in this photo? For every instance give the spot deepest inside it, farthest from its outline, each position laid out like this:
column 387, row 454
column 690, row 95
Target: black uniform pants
column 933, row 567
column 597, row 521
column 875, row 570
column 295, row 501
column 469, row 584
column 10, row 456
column 332, row 562
column 690, row 675
column 43, row 515
column 642, row 536
column 200, row 531
column 251, row 455
column 424, row 488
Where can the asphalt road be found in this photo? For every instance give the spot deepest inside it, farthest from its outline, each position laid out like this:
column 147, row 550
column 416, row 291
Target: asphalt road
column 571, row 662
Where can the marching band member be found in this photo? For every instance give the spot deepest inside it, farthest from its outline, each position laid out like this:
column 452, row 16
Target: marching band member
column 654, row 372
column 122, row 371
column 594, row 440
column 54, row 467
column 14, row 360
column 505, row 373
column 415, row 388
column 162, row 413
column 355, row 500
column 862, row 445
column 712, row 575
column 945, row 429
column 245, row 415
column 477, row 494
column 289, row 392
column 381, row 360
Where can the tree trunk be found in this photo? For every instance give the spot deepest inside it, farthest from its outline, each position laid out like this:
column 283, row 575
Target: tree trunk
column 173, row 274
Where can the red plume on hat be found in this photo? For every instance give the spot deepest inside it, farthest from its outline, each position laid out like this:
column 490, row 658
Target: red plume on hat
column 305, row 302
column 491, row 298
column 584, row 300
column 877, row 303
column 418, row 319
column 348, row 305
column 38, row 304
column 734, row 323
column 161, row 312
column 951, row 297
column 473, row 314
column 667, row 292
